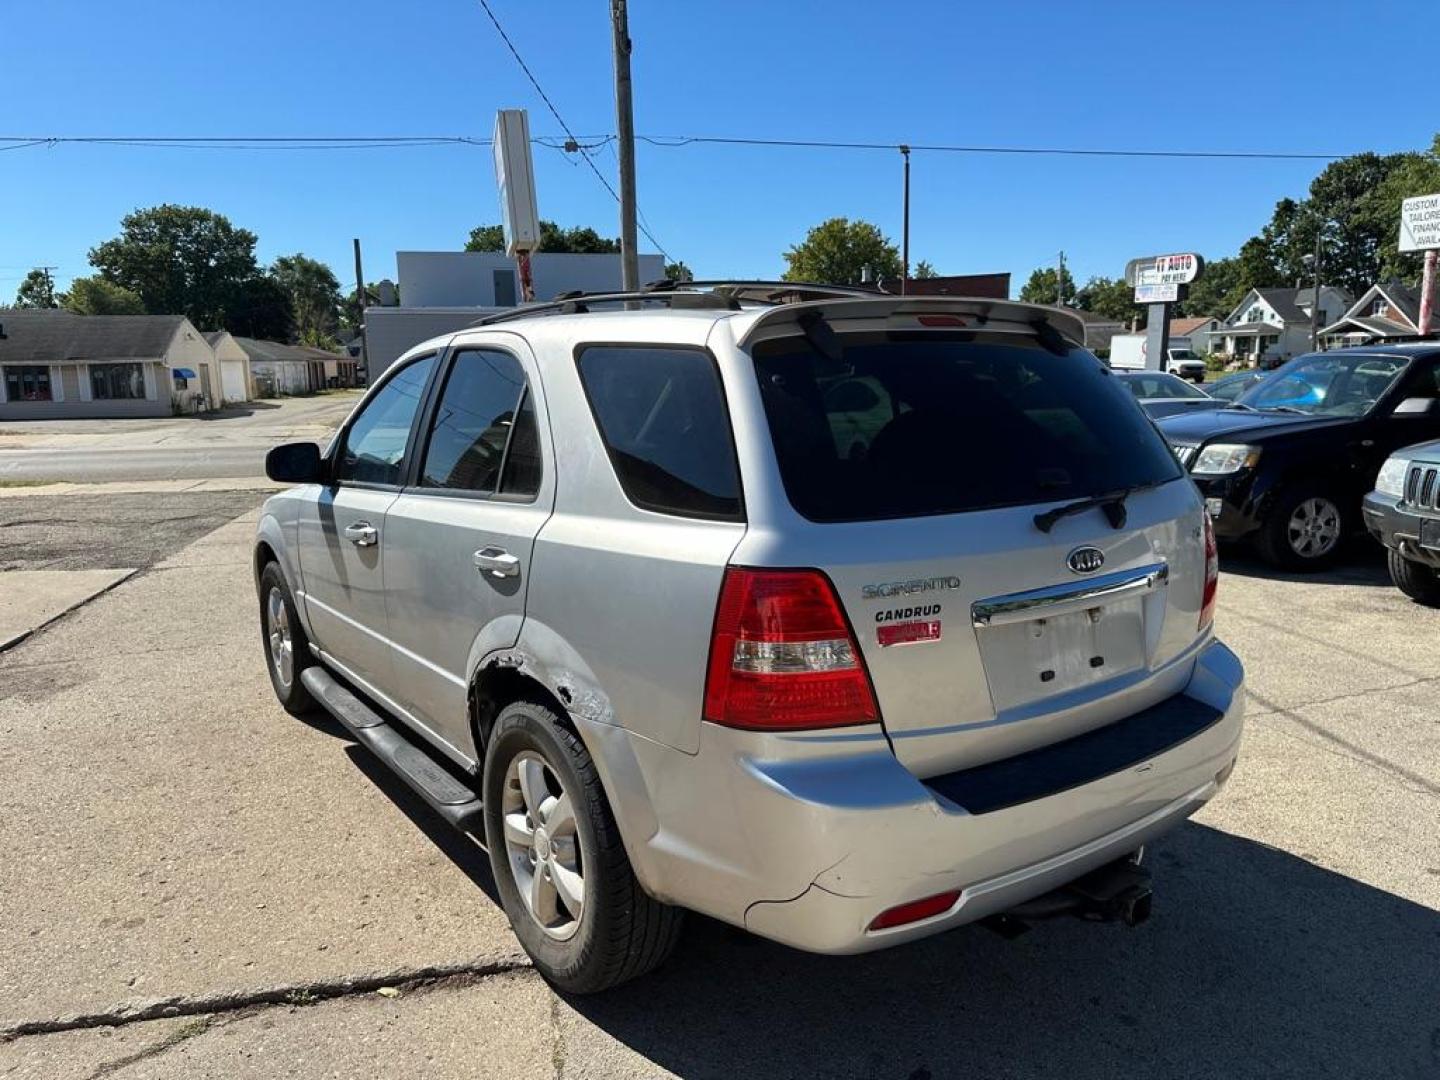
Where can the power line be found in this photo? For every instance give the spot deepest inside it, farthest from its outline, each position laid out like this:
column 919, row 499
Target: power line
column 572, row 144
column 675, row 141
column 561, row 121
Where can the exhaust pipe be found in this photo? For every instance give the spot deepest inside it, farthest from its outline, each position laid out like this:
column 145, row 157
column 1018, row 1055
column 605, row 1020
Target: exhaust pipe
column 1116, row 892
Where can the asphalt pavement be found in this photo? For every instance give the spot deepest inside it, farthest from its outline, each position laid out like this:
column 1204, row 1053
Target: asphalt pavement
column 198, row 885
column 229, row 443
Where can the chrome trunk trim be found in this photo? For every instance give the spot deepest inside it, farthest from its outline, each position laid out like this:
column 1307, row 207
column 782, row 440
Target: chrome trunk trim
column 1061, row 599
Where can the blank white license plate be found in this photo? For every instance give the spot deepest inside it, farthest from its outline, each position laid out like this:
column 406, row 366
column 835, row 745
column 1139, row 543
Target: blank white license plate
column 1026, row 661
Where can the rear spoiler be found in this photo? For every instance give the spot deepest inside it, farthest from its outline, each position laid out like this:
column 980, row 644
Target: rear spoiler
column 910, row 311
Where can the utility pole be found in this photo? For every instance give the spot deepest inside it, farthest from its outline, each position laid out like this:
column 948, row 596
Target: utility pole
column 1427, row 293
column 905, row 233
column 625, row 128
column 1060, row 283
column 360, row 310
column 1314, row 299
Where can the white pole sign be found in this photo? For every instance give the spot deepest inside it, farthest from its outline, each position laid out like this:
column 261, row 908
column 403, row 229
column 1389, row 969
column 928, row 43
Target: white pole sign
column 1420, row 223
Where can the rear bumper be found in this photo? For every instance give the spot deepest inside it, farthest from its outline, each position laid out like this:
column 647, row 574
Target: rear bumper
column 1397, row 529
column 806, row 839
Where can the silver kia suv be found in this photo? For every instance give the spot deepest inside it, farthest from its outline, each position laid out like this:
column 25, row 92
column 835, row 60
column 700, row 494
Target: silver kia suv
column 844, row 618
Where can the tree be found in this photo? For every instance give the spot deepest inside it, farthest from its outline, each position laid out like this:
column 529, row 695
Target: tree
column 678, row 271
column 96, row 296
column 839, row 251
column 1354, row 207
column 260, row 307
column 1417, row 174
column 1042, row 287
column 1217, row 291
column 36, row 291
column 578, row 239
column 1111, row 297
column 181, row 260
column 923, row 270
column 314, row 296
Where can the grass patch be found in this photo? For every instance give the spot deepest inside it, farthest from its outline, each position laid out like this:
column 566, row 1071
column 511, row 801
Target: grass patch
column 26, row 483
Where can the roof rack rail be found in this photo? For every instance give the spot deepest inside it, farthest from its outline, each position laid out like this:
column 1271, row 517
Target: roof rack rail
column 726, row 294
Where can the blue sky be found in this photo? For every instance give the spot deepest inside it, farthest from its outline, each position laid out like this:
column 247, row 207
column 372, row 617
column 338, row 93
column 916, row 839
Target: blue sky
column 1235, row 76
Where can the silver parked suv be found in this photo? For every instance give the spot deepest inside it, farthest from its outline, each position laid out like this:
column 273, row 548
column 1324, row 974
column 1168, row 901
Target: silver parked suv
column 843, row 618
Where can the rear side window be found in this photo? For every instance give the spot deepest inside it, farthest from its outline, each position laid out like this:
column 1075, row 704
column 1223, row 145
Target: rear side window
column 482, row 426
column 906, row 425
column 662, row 415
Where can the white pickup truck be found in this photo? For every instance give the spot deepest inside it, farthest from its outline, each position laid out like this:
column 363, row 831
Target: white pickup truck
column 1127, row 352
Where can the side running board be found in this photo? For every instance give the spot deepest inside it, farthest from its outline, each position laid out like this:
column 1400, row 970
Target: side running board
column 447, row 796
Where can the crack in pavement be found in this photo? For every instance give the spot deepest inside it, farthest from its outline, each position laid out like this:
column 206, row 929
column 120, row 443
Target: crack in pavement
column 1346, row 748
column 187, row 1031
column 1355, row 653
column 6, row 646
column 282, row 994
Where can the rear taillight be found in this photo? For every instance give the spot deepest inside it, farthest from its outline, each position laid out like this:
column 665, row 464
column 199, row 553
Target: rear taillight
column 782, row 656
column 1212, row 575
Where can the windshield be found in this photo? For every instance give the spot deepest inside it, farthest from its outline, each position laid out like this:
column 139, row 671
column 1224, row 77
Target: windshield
column 1229, row 389
column 906, row 424
column 1157, row 384
column 1332, row 384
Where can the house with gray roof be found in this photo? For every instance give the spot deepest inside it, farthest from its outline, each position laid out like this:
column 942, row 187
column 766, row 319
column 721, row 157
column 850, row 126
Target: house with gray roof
column 55, row 364
column 277, row 370
column 1269, row 326
column 1386, row 310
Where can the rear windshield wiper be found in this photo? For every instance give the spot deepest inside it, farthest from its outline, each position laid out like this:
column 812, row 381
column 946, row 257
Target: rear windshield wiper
column 1113, row 504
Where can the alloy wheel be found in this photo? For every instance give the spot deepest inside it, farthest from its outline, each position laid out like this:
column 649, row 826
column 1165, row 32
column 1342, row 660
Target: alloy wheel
column 282, row 640
column 1314, row 528
column 542, row 845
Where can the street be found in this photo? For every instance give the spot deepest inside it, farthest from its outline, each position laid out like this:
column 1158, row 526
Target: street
column 229, row 443
column 200, row 885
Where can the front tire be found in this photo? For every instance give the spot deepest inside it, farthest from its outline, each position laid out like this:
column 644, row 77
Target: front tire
column 1416, row 580
column 287, row 650
column 1304, row 530
column 558, row 860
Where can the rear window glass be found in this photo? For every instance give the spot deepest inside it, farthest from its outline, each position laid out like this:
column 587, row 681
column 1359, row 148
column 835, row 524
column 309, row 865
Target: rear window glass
column 661, row 412
column 906, row 425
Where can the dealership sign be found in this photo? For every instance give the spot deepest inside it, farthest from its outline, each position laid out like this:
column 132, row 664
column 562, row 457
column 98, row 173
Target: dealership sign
column 1159, row 279
column 1420, row 223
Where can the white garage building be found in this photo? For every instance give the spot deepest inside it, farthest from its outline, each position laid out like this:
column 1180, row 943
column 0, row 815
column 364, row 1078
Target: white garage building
column 235, row 384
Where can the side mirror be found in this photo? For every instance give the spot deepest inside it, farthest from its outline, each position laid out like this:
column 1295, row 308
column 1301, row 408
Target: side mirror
column 295, row 463
column 1418, row 406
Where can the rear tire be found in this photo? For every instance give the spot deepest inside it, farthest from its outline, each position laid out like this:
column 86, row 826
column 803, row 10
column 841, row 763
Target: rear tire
column 287, row 650
column 558, row 860
column 1416, row 580
column 1304, row 531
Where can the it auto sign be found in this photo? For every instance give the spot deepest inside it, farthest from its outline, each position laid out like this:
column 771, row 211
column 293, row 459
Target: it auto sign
column 1178, row 269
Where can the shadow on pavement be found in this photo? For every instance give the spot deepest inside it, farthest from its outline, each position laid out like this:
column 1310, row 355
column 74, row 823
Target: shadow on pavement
column 1363, row 563
column 1256, row 963
column 460, row 848
column 230, row 412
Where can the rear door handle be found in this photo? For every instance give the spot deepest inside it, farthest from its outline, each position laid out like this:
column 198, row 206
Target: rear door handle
column 497, row 561
column 362, row 534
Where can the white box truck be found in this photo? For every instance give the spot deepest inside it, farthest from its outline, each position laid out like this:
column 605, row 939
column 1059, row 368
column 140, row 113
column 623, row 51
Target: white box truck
column 1127, row 352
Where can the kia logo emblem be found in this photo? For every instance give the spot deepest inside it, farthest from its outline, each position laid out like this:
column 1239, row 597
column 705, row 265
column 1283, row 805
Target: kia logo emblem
column 1085, row 560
